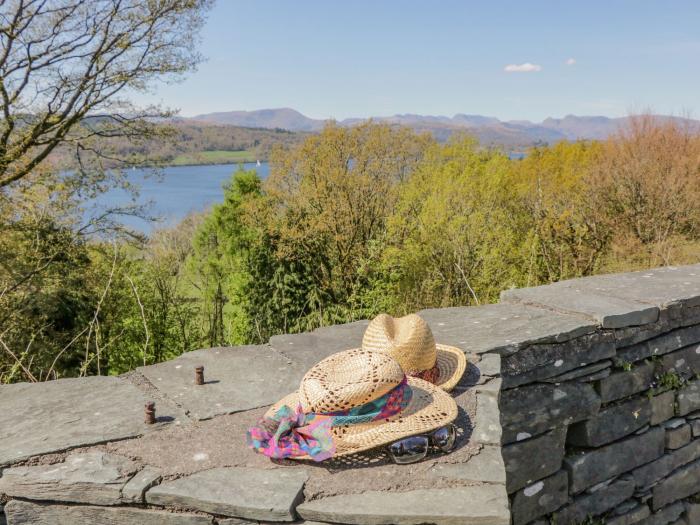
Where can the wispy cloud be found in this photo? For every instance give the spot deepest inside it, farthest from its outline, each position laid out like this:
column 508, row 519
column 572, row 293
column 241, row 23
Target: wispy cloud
column 570, row 61
column 527, row 67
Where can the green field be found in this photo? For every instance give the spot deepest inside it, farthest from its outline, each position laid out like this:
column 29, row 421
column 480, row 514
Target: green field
column 213, row 157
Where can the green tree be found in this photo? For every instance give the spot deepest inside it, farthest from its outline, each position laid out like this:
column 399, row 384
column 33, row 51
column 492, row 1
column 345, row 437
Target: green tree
column 327, row 202
column 455, row 236
column 65, row 90
column 220, row 262
column 567, row 237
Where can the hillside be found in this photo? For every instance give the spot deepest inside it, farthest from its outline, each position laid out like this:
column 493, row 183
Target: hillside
column 284, row 118
column 195, row 143
column 489, row 130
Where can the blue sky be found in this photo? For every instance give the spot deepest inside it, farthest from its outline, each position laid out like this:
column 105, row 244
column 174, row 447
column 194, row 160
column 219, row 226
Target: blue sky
column 359, row 58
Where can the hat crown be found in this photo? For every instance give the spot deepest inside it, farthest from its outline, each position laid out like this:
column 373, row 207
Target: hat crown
column 348, row 379
column 407, row 339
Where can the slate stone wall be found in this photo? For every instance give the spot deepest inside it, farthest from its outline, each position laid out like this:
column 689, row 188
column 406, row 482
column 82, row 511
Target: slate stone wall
column 605, row 428
column 586, row 411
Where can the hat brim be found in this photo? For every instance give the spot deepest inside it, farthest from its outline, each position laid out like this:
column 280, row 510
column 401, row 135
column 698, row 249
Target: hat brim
column 430, row 408
column 451, row 363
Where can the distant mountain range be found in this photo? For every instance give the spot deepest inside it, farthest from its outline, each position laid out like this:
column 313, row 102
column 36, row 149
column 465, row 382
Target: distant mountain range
column 489, row 130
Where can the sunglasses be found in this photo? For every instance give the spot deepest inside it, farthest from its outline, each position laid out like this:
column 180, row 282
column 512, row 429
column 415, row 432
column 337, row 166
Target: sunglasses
column 415, row 448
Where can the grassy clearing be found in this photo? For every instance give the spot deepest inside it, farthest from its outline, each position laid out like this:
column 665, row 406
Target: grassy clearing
column 213, row 157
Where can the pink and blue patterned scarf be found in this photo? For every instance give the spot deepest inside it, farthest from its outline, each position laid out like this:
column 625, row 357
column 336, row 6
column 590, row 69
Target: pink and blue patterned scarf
column 291, row 433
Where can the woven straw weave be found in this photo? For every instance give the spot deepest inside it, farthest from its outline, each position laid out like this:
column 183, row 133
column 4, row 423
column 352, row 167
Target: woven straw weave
column 410, row 341
column 348, row 379
column 354, row 377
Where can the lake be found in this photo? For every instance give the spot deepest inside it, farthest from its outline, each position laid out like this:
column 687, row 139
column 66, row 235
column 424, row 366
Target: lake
column 176, row 192
column 180, row 190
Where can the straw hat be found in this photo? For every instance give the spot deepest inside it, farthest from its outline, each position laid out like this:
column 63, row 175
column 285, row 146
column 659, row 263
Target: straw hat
column 410, row 341
column 353, row 378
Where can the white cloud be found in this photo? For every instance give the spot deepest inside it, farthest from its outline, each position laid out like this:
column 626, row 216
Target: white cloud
column 570, row 61
column 527, row 67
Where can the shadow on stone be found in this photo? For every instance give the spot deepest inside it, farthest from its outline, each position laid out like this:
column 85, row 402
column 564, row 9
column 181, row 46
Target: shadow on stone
column 380, row 457
column 471, row 377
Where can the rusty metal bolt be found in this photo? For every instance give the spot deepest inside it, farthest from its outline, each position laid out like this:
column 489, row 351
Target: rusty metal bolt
column 199, row 375
column 150, row 413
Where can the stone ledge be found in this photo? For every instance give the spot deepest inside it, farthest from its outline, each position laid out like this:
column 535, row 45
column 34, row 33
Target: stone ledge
column 487, row 466
column 69, row 413
column 555, row 366
column 618, row 300
column 26, row 513
column 478, row 505
column 571, row 297
column 93, row 478
column 235, row 379
column 136, row 487
column 503, row 328
column 309, row 348
column 487, row 427
column 240, row 492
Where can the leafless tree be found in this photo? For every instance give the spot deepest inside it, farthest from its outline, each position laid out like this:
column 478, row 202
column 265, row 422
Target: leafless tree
column 67, row 68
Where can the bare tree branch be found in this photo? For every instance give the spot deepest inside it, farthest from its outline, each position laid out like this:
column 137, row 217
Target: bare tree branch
column 63, row 61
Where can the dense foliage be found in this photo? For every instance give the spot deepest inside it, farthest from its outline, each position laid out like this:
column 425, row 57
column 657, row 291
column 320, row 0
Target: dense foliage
column 351, row 222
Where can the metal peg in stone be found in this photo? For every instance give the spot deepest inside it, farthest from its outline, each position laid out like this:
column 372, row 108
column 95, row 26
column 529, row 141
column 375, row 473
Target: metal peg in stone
column 199, row 375
column 150, row 413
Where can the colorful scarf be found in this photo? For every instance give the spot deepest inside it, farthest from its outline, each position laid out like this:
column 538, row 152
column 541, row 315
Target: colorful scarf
column 291, row 433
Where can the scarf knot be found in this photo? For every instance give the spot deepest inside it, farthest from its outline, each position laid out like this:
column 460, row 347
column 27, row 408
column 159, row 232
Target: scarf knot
column 292, row 433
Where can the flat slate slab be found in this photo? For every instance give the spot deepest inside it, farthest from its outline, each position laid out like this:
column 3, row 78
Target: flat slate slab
column 136, row 487
column 484, row 467
column 235, row 379
column 475, row 505
column 578, row 296
column 487, row 423
column 662, row 287
column 502, row 328
column 618, row 300
column 309, row 348
column 93, row 477
column 28, row 513
column 256, row 494
column 40, row 418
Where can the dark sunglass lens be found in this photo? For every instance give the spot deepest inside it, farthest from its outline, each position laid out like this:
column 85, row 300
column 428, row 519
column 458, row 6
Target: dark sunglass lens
column 444, row 438
column 409, row 450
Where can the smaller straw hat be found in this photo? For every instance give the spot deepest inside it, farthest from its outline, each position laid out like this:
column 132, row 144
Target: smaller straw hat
column 410, row 341
column 353, row 379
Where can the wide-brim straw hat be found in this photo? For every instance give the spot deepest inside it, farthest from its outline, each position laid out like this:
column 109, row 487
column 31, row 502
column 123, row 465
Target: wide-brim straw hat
column 352, row 378
column 410, row 341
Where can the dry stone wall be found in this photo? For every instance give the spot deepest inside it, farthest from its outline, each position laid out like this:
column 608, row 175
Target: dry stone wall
column 580, row 405
column 604, row 428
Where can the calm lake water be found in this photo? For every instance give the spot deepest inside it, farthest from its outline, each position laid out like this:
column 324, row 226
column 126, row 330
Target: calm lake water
column 180, row 190
column 177, row 191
